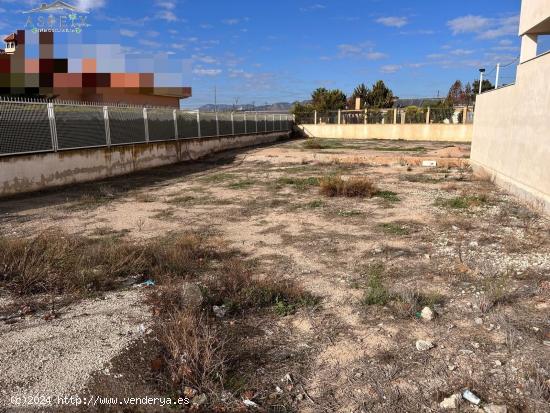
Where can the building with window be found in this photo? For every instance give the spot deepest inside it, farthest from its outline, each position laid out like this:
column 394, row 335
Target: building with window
column 33, row 65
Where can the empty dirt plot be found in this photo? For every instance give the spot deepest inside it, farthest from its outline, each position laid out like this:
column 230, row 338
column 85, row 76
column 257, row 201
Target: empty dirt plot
column 309, row 276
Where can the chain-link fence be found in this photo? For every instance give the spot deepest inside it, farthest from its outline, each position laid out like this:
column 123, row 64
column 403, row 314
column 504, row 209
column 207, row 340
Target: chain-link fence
column 409, row 115
column 30, row 127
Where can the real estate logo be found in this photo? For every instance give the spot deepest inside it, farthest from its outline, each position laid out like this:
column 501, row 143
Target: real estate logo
column 57, row 17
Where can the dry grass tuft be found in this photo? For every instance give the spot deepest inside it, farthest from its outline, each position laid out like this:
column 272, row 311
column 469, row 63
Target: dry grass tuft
column 58, row 263
column 333, row 186
column 54, row 262
column 194, row 352
column 238, row 290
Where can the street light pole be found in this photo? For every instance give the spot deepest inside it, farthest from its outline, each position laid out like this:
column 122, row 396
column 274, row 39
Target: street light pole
column 481, row 72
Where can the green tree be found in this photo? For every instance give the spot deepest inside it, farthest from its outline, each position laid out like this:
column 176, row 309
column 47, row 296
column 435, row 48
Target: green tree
column 380, row 96
column 485, row 86
column 362, row 92
column 414, row 114
column 324, row 100
column 303, row 112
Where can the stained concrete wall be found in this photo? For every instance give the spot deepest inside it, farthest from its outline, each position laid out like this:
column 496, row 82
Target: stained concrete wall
column 410, row 132
column 26, row 173
column 511, row 140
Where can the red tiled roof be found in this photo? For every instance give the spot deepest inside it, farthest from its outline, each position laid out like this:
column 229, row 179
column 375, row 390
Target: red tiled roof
column 11, row 38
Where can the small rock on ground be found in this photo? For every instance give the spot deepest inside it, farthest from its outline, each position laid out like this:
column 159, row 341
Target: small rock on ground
column 424, row 345
column 495, row 408
column 451, row 402
column 427, row 314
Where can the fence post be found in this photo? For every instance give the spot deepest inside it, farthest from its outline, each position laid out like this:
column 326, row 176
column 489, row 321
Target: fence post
column 232, row 124
column 265, row 125
column 403, row 116
column 53, row 129
column 428, row 112
column 217, row 125
column 281, row 122
column 339, row 116
column 175, row 115
column 465, row 115
column 199, row 124
column 315, row 118
column 146, row 122
column 256, row 120
column 245, row 125
column 107, row 126
column 395, row 116
column 366, row 116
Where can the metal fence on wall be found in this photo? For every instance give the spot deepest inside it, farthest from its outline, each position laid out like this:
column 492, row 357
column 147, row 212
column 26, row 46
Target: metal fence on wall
column 410, row 115
column 32, row 126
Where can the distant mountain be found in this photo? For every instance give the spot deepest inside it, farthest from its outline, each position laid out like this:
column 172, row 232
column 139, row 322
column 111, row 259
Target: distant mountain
column 274, row 107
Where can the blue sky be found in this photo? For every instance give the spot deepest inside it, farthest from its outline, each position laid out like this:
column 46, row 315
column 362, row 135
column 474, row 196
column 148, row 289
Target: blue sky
column 271, row 51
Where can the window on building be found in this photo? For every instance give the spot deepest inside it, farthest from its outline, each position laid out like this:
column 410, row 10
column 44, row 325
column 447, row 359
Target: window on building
column 543, row 44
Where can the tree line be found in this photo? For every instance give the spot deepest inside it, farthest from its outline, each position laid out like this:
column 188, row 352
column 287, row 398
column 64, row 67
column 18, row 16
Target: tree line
column 379, row 96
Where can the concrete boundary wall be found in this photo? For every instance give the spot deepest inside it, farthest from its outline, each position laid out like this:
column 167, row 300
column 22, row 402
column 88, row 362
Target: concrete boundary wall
column 409, row 132
column 27, row 173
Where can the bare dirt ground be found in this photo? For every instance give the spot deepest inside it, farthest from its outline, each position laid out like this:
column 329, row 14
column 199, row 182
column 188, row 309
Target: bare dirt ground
column 433, row 237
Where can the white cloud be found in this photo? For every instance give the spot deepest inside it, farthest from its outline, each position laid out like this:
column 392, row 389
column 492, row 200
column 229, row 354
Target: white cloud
column 393, row 21
column 239, row 73
column 461, row 52
column 376, row 55
column 90, row 4
column 128, row 33
column 166, row 11
column 508, row 26
column 468, row 24
column 204, row 59
column 207, row 72
column 313, row 7
column 149, row 43
column 167, row 15
column 485, row 28
column 168, row 5
column 388, row 69
column 235, row 21
column 360, row 50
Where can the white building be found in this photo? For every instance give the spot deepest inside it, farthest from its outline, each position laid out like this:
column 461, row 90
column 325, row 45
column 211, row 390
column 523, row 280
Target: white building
column 10, row 44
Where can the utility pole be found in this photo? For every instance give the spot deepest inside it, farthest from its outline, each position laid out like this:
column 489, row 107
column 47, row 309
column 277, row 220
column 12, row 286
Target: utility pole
column 215, row 98
column 498, row 75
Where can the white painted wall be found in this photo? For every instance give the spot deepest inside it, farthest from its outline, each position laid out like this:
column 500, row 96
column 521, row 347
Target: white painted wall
column 410, row 132
column 533, row 13
column 511, row 139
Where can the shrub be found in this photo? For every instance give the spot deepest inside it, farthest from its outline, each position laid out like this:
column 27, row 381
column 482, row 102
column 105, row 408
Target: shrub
column 388, row 196
column 334, row 186
column 463, row 202
column 194, row 353
column 376, row 293
column 55, row 262
column 236, row 287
